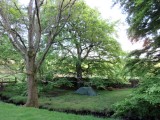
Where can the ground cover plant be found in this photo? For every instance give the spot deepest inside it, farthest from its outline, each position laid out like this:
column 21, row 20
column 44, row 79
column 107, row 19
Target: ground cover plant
column 12, row 112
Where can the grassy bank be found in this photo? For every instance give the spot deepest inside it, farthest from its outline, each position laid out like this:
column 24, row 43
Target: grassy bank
column 12, row 112
column 68, row 100
column 103, row 101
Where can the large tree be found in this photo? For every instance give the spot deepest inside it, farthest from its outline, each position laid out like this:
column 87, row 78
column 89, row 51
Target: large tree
column 89, row 42
column 28, row 27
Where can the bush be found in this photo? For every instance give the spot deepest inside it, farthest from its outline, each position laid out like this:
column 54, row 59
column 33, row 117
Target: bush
column 144, row 104
column 19, row 88
column 55, row 83
column 71, row 83
column 18, row 99
column 101, row 83
column 61, row 82
column 49, row 76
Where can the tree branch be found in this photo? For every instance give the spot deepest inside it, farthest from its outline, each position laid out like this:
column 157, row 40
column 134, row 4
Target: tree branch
column 67, row 50
column 31, row 18
column 88, row 51
column 59, row 17
column 54, row 32
column 20, row 38
column 39, row 63
column 20, row 47
column 38, row 37
column 24, row 21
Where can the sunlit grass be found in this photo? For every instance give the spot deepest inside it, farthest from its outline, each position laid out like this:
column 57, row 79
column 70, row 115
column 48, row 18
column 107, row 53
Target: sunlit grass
column 11, row 112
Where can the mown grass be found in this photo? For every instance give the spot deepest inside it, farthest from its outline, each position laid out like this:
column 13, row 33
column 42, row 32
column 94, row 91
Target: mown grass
column 11, row 112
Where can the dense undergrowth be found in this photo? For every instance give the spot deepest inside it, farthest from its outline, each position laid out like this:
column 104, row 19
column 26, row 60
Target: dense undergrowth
column 144, row 103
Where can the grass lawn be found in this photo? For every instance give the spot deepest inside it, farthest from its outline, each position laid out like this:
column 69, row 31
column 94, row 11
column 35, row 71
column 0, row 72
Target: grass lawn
column 12, row 112
column 103, row 101
column 71, row 101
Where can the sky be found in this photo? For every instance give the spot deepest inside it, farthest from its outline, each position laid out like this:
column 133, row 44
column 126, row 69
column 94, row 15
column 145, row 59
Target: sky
column 114, row 14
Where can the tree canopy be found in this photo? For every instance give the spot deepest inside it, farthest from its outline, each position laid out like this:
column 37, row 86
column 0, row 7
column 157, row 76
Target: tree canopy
column 143, row 19
column 89, row 43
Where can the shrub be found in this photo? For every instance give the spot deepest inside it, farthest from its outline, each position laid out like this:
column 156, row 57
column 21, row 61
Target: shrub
column 62, row 81
column 55, row 83
column 96, row 82
column 49, row 76
column 18, row 99
column 101, row 83
column 144, row 104
column 19, row 88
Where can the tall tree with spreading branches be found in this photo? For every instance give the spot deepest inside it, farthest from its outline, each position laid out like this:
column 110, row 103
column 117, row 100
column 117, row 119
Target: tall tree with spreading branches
column 89, row 42
column 27, row 28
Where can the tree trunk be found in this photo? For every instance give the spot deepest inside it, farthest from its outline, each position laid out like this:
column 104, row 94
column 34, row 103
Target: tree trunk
column 32, row 98
column 79, row 74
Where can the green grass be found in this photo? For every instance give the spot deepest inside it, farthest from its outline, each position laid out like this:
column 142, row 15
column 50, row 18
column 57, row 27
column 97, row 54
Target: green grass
column 71, row 101
column 103, row 101
column 11, row 112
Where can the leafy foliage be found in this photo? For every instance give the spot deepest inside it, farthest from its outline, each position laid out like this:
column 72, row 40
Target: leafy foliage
column 87, row 44
column 143, row 17
column 62, row 82
column 20, row 88
column 144, row 102
column 32, row 30
column 102, row 83
column 144, row 21
column 8, row 55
